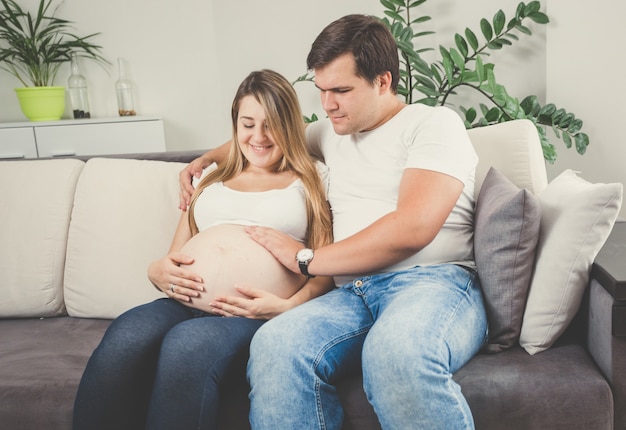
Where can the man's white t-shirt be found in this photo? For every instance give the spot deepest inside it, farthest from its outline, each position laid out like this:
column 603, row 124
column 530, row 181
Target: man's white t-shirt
column 366, row 168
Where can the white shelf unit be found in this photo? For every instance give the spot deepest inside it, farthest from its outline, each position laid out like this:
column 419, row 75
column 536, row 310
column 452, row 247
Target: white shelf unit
column 63, row 138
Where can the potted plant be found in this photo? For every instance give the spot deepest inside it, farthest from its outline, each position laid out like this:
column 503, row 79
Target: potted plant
column 32, row 48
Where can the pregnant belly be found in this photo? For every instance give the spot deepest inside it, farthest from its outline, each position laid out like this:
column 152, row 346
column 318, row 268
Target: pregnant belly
column 225, row 256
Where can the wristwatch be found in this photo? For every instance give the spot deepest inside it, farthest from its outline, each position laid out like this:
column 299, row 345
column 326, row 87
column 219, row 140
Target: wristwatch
column 304, row 257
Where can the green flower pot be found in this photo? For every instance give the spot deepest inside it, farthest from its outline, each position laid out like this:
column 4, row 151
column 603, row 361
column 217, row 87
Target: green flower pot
column 42, row 103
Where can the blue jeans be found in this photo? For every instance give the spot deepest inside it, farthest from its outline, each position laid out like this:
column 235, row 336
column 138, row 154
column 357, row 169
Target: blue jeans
column 159, row 366
column 408, row 331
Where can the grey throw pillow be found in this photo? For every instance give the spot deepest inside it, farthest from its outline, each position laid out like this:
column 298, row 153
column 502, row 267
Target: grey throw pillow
column 506, row 231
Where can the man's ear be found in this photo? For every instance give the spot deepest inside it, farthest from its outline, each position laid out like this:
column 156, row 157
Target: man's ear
column 384, row 82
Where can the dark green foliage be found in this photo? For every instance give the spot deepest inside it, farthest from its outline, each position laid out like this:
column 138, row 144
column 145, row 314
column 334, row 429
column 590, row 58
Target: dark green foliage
column 32, row 47
column 464, row 64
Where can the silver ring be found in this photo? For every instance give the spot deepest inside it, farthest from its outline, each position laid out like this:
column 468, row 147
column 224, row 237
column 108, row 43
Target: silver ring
column 172, row 288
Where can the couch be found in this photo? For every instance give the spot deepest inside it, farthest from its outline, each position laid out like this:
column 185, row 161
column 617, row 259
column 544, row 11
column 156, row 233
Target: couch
column 77, row 235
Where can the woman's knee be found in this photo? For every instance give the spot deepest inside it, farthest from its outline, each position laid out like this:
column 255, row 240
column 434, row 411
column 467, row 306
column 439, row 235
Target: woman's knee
column 208, row 339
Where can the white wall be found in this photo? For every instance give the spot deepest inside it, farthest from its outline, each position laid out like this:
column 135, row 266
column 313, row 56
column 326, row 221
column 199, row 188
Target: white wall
column 585, row 64
column 170, row 51
column 186, row 58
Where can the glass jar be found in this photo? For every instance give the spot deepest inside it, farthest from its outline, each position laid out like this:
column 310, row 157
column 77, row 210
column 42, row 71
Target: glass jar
column 124, row 90
column 77, row 88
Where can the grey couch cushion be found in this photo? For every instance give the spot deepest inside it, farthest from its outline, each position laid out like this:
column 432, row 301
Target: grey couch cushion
column 561, row 388
column 41, row 362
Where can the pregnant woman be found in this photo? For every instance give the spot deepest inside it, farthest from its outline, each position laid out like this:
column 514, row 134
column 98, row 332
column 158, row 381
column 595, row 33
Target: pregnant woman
column 159, row 365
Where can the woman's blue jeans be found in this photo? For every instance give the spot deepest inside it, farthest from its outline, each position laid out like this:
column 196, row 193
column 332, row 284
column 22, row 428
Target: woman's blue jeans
column 408, row 331
column 159, row 366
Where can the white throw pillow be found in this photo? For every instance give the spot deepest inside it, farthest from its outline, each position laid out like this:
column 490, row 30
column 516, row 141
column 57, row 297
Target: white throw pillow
column 36, row 198
column 576, row 219
column 124, row 217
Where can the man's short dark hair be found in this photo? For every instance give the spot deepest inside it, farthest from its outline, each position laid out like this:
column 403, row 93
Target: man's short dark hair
column 367, row 38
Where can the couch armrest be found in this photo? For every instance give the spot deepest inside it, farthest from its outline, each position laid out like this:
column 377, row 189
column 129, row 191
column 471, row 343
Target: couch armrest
column 606, row 337
column 609, row 270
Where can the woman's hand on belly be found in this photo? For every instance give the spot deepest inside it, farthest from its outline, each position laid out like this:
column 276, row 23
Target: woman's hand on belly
column 225, row 257
column 169, row 274
column 256, row 304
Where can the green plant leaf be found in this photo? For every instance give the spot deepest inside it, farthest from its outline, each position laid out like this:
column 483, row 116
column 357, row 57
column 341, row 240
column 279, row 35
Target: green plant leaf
column 406, row 34
column 480, row 69
column 547, row 111
column 435, row 74
column 425, row 82
column 498, row 22
column 582, row 142
column 428, row 101
column 458, row 59
column 539, row 17
column 469, row 76
column 523, row 29
column 486, row 29
column 494, row 44
column 471, row 39
column 420, row 20
column 448, row 64
column 567, row 139
column 312, row 118
column 504, row 41
column 422, row 67
column 395, row 16
column 422, row 34
column 566, row 120
column 406, row 47
column 427, row 91
column 512, row 23
column 529, row 103
column 519, row 11
column 470, row 115
column 532, row 7
column 492, row 115
column 575, row 126
column 461, row 45
column 557, row 115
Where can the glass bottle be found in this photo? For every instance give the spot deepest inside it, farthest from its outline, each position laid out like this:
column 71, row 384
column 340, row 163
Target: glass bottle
column 77, row 87
column 124, row 90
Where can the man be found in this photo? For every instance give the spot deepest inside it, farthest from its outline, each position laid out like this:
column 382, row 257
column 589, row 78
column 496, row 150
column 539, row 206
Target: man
column 408, row 309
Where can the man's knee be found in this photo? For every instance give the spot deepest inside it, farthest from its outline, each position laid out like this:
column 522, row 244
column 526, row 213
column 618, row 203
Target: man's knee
column 272, row 338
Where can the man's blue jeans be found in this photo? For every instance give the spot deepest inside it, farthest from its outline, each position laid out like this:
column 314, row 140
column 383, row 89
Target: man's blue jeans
column 409, row 331
column 158, row 366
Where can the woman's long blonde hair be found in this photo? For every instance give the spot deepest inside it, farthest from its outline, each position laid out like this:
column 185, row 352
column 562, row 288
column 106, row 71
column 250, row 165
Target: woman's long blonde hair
column 284, row 120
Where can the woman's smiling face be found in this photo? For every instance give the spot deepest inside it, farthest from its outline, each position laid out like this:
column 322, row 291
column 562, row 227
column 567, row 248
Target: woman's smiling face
column 255, row 139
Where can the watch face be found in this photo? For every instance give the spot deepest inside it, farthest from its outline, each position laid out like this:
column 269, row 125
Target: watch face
column 305, row 254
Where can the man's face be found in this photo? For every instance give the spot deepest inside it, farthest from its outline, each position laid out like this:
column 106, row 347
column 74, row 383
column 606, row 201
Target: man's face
column 351, row 102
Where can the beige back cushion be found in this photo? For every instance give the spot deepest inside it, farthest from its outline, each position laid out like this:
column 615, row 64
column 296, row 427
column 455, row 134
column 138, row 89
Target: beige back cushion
column 36, row 200
column 513, row 148
column 124, row 217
